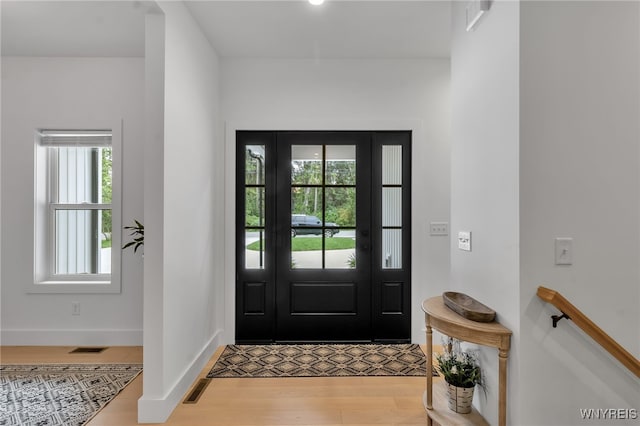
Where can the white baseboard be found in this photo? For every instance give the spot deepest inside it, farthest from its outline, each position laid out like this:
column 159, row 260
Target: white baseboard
column 70, row 337
column 158, row 410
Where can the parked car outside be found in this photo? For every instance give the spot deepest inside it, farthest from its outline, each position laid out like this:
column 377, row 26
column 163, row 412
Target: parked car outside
column 302, row 224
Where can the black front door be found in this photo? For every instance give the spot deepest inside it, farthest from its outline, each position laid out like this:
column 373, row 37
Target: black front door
column 323, row 224
column 323, row 236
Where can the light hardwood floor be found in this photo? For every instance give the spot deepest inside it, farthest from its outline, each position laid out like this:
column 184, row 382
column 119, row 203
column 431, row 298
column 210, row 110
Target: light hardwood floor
column 262, row 401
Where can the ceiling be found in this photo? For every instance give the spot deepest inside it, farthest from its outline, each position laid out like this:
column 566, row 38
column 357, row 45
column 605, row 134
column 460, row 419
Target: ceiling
column 238, row 28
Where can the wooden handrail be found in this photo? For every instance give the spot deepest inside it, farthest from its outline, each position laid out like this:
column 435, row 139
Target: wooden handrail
column 589, row 327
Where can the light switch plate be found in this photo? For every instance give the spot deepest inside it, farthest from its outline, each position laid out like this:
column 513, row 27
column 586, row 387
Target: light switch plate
column 464, row 240
column 439, row 228
column 564, row 251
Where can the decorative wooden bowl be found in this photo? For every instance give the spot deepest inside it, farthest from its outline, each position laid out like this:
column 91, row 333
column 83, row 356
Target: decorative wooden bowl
column 468, row 307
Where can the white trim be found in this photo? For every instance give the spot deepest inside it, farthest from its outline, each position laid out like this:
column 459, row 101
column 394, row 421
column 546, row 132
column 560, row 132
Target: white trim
column 76, row 138
column 73, row 287
column 92, row 206
column 44, row 281
column 416, row 126
column 58, row 337
column 158, row 410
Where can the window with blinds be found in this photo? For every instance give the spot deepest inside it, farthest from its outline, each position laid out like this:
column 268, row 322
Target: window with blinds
column 75, row 200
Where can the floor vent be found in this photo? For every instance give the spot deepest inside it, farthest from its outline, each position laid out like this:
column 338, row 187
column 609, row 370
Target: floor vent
column 197, row 391
column 87, row 350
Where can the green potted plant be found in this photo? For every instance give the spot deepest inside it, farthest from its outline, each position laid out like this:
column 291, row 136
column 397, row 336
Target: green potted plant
column 462, row 373
column 137, row 232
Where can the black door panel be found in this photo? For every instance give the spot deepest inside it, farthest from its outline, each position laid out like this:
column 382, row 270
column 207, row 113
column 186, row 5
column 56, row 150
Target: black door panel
column 319, row 258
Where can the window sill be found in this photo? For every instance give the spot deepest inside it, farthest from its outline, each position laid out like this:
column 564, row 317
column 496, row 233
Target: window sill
column 74, row 287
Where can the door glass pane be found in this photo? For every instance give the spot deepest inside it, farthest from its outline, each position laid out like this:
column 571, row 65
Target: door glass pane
column 254, row 203
column 392, row 206
column 322, row 206
column 304, row 225
column 340, row 165
column 254, row 249
column 254, row 207
column 351, row 260
column 392, row 165
column 307, row 201
column 306, row 164
column 340, row 250
column 254, row 165
column 306, row 252
column 340, row 207
column 391, row 248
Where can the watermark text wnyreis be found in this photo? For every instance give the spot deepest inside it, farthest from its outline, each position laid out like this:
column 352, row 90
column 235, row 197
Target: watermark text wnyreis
column 608, row 413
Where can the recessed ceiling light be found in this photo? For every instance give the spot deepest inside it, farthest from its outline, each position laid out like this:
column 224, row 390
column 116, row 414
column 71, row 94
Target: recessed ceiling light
column 316, row 2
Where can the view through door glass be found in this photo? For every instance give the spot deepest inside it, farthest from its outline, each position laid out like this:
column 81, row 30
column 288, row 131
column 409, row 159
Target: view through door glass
column 323, row 206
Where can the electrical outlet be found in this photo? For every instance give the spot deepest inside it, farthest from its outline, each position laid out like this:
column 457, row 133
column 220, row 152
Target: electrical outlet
column 75, row 308
column 464, row 240
column 439, row 228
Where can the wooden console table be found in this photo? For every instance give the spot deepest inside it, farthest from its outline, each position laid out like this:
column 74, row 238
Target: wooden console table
column 438, row 316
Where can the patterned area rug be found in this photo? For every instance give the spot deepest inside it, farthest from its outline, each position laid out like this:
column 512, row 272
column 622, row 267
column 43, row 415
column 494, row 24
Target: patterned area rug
column 319, row 360
column 59, row 394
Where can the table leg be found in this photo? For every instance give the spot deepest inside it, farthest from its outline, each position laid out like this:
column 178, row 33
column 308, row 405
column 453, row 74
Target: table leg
column 429, row 368
column 502, row 387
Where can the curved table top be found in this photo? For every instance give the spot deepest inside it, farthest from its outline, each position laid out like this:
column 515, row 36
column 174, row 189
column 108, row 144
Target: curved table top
column 440, row 317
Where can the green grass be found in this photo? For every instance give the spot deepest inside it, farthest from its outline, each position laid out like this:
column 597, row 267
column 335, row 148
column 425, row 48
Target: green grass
column 315, row 243
column 106, row 243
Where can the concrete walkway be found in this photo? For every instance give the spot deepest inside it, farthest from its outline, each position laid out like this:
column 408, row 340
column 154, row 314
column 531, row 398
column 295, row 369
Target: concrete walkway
column 335, row 259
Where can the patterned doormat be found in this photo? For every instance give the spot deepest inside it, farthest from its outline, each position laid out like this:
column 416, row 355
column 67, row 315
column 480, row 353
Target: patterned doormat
column 325, row 360
column 59, row 394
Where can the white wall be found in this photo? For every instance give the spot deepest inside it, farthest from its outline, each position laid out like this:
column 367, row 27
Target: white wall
column 580, row 136
column 546, row 101
column 289, row 94
column 185, row 217
column 66, row 93
column 484, row 178
column 1, row 186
